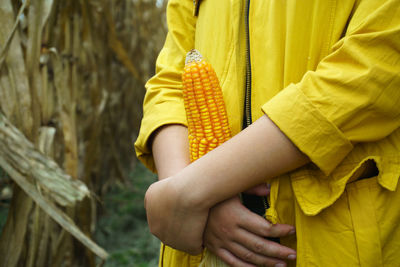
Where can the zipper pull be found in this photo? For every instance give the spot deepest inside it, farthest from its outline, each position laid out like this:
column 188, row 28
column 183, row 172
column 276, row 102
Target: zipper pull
column 196, row 4
column 271, row 215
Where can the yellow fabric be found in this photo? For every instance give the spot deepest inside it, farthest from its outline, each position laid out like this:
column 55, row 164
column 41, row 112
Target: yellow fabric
column 170, row 257
column 359, row 229
column 328, row 74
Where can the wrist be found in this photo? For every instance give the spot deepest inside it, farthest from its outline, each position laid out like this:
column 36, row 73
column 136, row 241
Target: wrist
column 193, row 189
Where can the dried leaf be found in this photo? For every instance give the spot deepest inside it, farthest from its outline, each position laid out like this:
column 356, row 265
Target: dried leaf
column 73, row 82
column 7, row 43
column 43, row 249
column 118, row 47
column 35, row 236
column 46, row 140
column 14, row 232
column 23, row 158
column 39, row 11
column 15, row 99
column 55, row 213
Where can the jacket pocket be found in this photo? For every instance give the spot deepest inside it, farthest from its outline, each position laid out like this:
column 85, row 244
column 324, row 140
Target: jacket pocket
column 359, row 229
column 375, row 213
column 363, row 195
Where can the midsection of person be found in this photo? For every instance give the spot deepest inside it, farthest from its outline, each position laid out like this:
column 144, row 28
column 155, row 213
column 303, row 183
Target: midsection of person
column 290, row 46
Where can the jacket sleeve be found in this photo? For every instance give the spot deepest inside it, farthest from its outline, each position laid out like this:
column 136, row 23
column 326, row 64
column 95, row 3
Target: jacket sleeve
column 353, row 95
column 163, row 102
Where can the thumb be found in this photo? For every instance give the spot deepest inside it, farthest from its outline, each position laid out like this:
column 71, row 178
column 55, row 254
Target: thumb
column 258, row 190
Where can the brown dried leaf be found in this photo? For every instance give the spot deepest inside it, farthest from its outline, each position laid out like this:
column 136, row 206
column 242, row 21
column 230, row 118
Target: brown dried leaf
column 56, row 214
column 23, row 158
column 15, row 98
column 14, row 232
column 4, row 20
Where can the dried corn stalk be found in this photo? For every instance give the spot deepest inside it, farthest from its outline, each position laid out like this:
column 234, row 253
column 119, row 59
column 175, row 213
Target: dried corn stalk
column 19, row 157
column 72, row 83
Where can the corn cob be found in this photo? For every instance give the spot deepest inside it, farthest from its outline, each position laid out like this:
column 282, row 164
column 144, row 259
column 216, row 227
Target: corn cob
column 206, row 116
column 204, row 104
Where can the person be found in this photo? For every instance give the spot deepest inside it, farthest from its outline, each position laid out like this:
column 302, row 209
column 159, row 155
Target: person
column 323, row 77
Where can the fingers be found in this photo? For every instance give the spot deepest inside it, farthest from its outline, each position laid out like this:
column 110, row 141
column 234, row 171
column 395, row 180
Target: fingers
column 236, row 235
column 231, row 259
column 252, row 250
column 261, row 227
column 238, row 255
column 249, row 256
column 263, row 247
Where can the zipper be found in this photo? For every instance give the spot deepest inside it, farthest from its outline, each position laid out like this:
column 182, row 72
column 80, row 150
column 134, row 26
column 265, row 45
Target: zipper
column 247, row 117
column 196, row 4
column 247, row 98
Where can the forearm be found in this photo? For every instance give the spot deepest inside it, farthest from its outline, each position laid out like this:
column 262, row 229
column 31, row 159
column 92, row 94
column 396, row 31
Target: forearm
column 258, row 153
column 170, row 149
column 177, row 207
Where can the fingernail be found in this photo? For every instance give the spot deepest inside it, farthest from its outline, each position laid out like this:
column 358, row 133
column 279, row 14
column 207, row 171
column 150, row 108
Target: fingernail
column 293, row 231
column 280, row 265
column 292, row 257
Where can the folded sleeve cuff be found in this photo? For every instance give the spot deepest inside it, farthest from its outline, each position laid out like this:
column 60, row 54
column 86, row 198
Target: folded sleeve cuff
column 156, row 118
column 308, row 128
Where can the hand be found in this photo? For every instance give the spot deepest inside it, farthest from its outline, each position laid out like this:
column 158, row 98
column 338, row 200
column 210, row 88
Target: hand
column 258, row 190
column 176, row 223
column 236, row 235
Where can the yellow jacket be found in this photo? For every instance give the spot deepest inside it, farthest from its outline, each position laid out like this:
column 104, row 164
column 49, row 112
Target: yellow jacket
column 327, row 72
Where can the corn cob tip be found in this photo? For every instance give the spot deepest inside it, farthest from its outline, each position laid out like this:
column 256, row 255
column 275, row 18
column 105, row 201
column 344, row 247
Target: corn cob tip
column 193, row 56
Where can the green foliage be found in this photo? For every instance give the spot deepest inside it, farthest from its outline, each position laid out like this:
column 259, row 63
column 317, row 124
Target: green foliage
column 3, row 216
column 122, row 229
column 4, row 200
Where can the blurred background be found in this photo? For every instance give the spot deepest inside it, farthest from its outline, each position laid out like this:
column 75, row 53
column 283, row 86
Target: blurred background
column 72, row 77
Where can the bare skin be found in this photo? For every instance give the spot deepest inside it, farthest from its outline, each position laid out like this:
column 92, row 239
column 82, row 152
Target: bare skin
column 236, row 235
column 170, row 151
column 182, row 217
column 170, row 147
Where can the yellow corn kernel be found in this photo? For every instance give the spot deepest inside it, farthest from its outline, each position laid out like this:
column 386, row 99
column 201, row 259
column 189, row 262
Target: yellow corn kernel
column 205, row 108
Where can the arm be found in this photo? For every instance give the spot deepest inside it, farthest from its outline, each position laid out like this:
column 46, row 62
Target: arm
column 244, row 229
column 170, row 148
column 163, row 103
column 179, row 219
column 258, row 153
